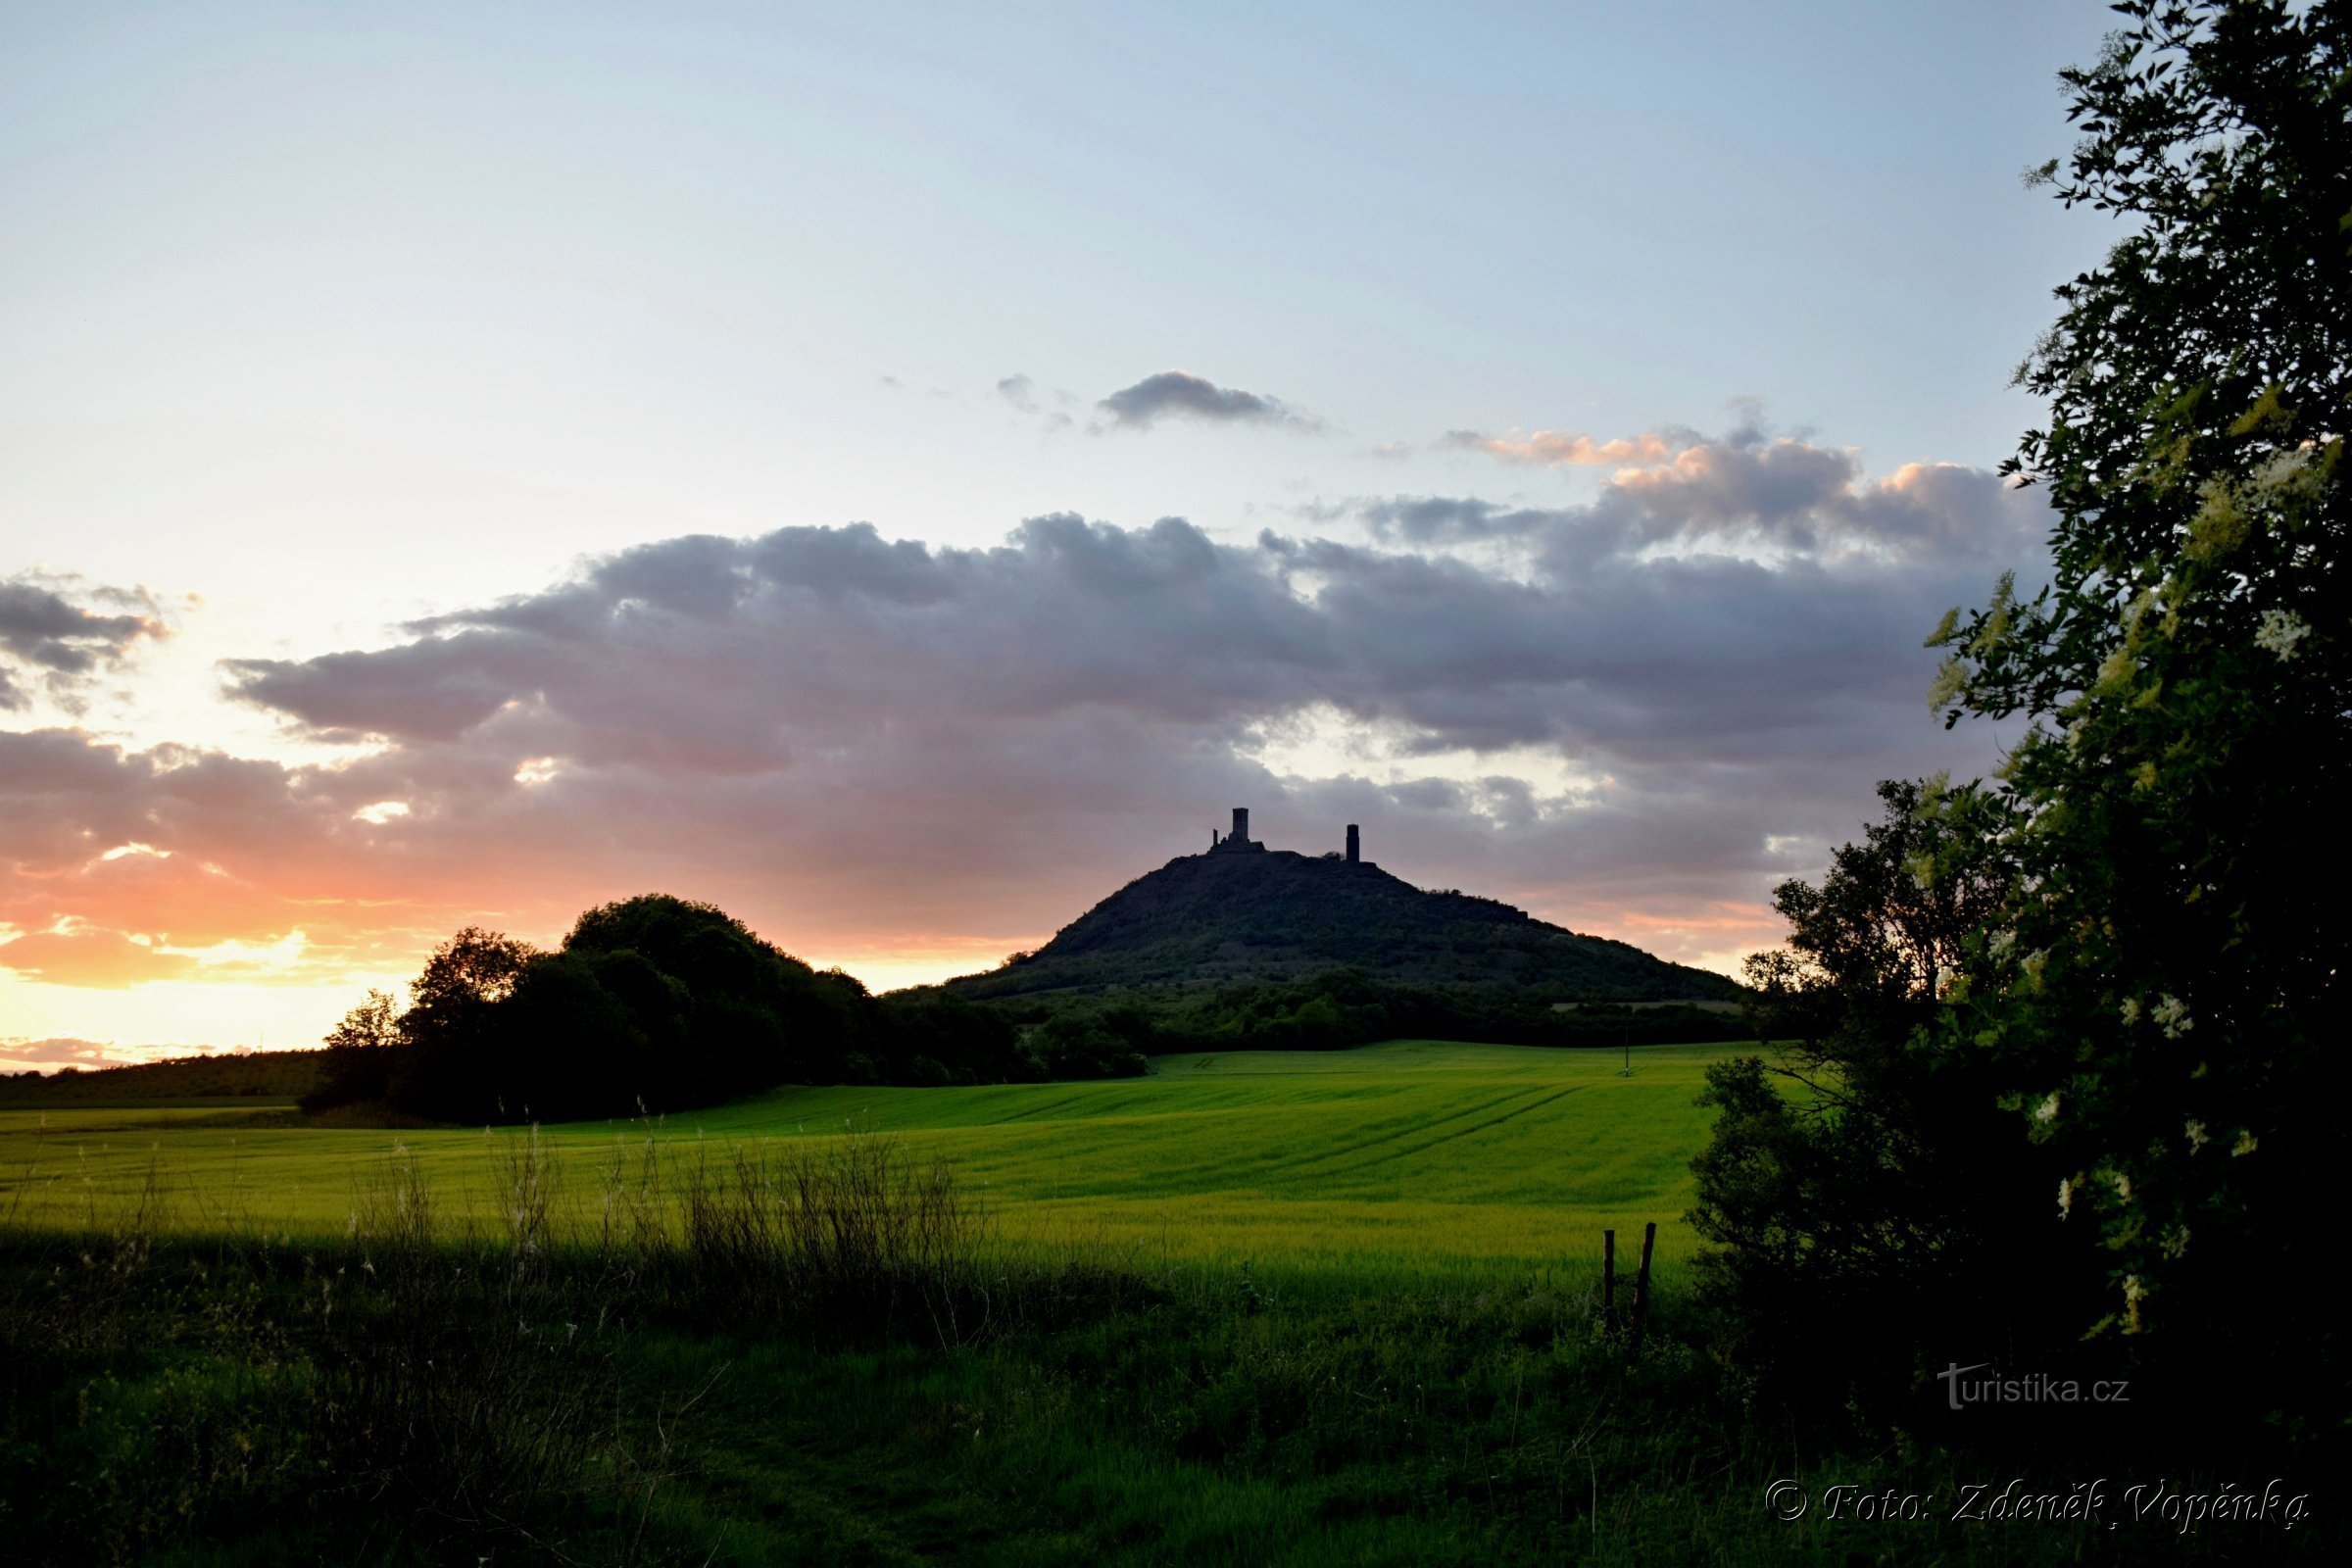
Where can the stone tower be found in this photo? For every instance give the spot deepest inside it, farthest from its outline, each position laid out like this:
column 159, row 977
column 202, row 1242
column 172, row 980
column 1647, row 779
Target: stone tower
column 1355, row 846
column 1237, row 840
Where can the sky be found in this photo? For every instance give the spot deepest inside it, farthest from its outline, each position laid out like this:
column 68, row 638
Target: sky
column 901, row 476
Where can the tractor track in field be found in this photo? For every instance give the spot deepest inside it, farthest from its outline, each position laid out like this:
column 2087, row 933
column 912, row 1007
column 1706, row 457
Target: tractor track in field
column 1387, row 1154
column 1319, row 1165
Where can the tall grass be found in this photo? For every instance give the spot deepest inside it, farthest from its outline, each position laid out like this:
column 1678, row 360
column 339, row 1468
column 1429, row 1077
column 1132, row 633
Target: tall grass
column 429, row 1383
column 822, row 1351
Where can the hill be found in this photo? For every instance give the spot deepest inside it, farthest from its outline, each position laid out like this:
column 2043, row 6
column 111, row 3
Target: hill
column 1224, row 917
column 226, row 1075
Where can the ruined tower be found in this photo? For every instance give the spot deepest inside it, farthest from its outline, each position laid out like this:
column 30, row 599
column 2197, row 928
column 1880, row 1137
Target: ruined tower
column 1237, row 841
column 1355, row 846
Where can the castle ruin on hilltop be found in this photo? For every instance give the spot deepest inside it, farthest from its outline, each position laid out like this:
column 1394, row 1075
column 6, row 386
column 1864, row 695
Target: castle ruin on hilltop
column 1238, row 841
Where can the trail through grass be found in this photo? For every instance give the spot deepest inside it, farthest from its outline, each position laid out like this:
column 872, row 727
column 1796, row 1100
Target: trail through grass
column 1408, row 1152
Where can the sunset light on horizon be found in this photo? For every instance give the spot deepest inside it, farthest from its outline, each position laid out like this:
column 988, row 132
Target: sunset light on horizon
column 899, row 478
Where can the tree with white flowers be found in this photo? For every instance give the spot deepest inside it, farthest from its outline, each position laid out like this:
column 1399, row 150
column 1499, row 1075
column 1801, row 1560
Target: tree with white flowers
column 2164, row 984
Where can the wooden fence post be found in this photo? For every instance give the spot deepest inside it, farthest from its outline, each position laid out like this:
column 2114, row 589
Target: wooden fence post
column 1650, row 1238
column 1608, row 1281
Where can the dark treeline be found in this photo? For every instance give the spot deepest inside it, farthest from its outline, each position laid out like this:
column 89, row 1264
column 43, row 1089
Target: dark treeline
column 1333, row 1010
column 219, row 1075
column 656, row 1003
column 652, row 1005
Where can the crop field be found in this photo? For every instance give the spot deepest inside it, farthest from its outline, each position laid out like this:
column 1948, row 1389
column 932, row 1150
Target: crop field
column 1309, row 1309
column 1411, row 1152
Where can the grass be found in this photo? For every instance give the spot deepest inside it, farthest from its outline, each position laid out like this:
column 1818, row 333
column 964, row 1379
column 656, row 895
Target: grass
column 1261, row 1309
column 1413, row 1152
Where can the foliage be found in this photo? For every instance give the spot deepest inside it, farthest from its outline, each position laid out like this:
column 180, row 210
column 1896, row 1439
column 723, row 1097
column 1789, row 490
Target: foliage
column 1278, row 917
column 652, row 1004
column 2123, row 1093
column 216, row 1075
column 1862, row 1193
column 2158, row 987
column 360, row 1054
column 1336, row 1009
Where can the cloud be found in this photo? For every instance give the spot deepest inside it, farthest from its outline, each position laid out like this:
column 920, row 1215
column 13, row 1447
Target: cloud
column 1025, row 396
column 43, row 630
column 1742, row 491
column 1181, row 394
column 16, row 1056
column 872, row 742
column 1632, row 714
column 1552, row 449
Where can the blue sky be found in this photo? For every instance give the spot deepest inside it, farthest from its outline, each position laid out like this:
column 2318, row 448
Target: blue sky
column 314, row 321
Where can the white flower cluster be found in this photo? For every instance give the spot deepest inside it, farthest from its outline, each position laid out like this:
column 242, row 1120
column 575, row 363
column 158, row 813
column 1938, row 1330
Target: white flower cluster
column 2281, row 469
column 1951, row 680
column 2278, row 631
column 2066, row 1196
column 2001, row 943
column 2048, row 1110
column 2246, row 1143
column 2131, row 1010
column 2172, row 1016
column 2196, row 1132
column 2032, row 965
column 2122, row 1186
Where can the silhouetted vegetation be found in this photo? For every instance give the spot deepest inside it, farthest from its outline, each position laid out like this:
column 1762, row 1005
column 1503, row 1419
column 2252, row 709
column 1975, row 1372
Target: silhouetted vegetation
column 1332, row 1010
column 653, row 1004
column 1864, row 1190
column 1219, row 920
column 2072, row 1076
column 221, row 1075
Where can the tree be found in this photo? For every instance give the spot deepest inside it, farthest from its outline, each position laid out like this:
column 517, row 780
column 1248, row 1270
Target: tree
column 443, row 1072
column 369, row 1026
column 360, row 1054
column 466, row 974
column 2159, row 984
column 1858, row 1189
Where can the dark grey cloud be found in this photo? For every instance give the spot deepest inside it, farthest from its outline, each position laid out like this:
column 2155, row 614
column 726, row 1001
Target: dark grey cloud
column 1453, row 519
column 836, row 729
column 1744, row 491
column 43, row 630
column 1181, row 394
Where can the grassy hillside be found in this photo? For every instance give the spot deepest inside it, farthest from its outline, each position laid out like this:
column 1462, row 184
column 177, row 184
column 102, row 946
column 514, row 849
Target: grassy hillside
column 1215, row 919
column 1411, row 1152
column 261, row 1075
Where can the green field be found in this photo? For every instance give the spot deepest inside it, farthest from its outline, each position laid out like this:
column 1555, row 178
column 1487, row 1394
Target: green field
column 1307, row 1309
column 1408, row 1152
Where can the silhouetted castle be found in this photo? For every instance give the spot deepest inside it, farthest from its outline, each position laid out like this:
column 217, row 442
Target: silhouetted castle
column 1238, row 841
